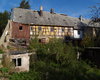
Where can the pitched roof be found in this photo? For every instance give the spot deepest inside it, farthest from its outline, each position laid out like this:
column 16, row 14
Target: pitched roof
column 27, row 16
column 90, row 23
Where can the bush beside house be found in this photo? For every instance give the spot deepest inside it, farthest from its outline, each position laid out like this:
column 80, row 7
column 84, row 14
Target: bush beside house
column 57, row 61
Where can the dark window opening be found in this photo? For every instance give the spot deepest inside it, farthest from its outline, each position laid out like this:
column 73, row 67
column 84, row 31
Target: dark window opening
column 20, row 28
column 69, row 30
column 31, row 28
column 19, row 61
column 39, row 40
column 63, row 29
column 52, row 29
column 43, row 40
column 48, row 18
column 5, row 40
column 39, row 28
column 20, row 16
column 14, row 61
column 78, row 32
column 64, row 20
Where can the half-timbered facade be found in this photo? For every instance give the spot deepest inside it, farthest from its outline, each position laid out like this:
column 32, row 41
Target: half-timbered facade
column 51, row 32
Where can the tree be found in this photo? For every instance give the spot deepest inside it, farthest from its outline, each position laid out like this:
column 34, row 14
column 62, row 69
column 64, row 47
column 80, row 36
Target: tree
column 24, row 4
column 56, row 61
column 95, row 22
column 95, row 13
column 4, row 16
column 87, row 41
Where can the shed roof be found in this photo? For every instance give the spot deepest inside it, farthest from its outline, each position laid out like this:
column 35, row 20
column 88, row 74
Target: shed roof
column 18, row 52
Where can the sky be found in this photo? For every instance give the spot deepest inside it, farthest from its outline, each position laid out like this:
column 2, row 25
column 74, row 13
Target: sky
column 73, row 8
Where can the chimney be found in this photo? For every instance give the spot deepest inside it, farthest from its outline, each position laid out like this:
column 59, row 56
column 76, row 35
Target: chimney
column 51, row 10
column 41, row 11
column 81, row 18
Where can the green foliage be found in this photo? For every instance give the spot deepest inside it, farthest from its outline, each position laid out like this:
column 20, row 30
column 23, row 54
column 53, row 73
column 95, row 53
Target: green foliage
column 1, row 51
column 25, row 76
column 6, row 62
column 4, row 16
column 4, row 70
column 24, row 4
column 57, row 61
column 97, row 41
column 87, row 41
column 95, row 13
column 4, row 73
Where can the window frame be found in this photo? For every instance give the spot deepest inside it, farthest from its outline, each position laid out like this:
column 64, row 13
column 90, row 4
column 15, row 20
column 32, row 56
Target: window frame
column 52, row 29
column 17, row 61
column 63, row 29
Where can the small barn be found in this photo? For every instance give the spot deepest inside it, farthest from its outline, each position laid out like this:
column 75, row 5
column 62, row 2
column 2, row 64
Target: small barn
column 21, row 60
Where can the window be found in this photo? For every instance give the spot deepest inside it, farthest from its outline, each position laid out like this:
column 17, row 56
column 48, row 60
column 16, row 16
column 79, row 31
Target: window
column 63, row 29
column 48, row 18
column 64, row 20
column 35, row 17
column 20, row 28
column 69, row 29
column 78, row 32
column 39, row 28
column 20, row 16
column 31, row 28
column 14, row 61
column 17, row 62
column 52, row 29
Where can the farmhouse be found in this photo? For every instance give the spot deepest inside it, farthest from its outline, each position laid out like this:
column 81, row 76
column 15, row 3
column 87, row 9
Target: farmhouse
column 26, row 24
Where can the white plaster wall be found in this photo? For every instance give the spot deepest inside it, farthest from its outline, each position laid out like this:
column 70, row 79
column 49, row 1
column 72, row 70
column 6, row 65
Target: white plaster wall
column 76, row 35
column 31, row 32
column 25, row 62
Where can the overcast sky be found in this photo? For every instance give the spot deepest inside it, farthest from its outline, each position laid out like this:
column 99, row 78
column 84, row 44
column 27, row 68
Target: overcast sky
column 70, row 7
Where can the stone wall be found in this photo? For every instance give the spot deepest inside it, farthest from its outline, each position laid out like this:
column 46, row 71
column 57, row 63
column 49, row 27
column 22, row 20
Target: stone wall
column 6, row 35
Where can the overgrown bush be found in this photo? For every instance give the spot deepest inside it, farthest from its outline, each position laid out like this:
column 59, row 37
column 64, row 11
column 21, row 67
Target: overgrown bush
column 57, row 61
column 1, row 51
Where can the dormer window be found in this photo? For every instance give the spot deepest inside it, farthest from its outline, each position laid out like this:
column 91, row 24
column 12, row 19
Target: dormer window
column 20, row 27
